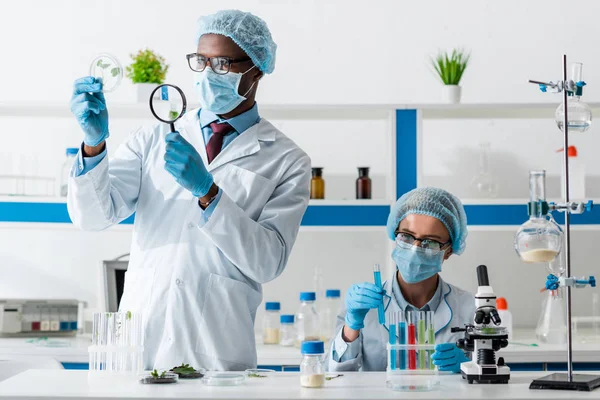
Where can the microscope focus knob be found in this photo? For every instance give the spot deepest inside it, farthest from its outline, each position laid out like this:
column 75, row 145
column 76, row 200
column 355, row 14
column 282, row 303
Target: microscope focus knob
column 501, row 362
column 503, row 343
column 460, row 343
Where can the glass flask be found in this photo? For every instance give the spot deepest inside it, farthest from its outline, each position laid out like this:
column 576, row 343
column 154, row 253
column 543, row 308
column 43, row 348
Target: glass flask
column 485, row 183
column 539, row 240
column 579, row 113
column 552, row 325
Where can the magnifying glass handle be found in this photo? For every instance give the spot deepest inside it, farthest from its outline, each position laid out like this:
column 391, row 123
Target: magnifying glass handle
column 172, row 127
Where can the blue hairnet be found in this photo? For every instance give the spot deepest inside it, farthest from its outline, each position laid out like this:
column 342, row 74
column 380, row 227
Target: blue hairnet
column 247, row 31
column 436, row 203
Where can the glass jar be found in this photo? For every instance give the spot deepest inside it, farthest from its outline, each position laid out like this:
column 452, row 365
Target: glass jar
column 312, row 367
column 271, row 323
column 287, row 334
column 329, row 313
column 307, row 319
column 363, row 184
column 317, row 184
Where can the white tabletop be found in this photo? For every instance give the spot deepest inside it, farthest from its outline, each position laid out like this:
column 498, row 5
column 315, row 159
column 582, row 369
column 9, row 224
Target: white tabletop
column 74, row 350
column 56, row 384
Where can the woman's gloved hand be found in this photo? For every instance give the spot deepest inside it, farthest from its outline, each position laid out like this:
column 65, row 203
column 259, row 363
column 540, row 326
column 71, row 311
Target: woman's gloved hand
column 360, row 298
column 448, row 357
column 184, row 163
column 89, row 108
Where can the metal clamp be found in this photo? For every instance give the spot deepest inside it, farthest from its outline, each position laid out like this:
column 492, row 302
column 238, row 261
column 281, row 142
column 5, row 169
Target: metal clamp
column 572, row 207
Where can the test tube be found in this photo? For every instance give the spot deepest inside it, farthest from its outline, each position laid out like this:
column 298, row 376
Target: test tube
column 422, row 338
column 411, row 339
column 377, row 278
column 402, row 340
column 392, row 332
column 430, row 337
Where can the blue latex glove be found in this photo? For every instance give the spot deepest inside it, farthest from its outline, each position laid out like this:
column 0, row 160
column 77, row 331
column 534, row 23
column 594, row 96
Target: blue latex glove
column 184, row 163
column 360, row 298
column 448, row 357
column 89, row 107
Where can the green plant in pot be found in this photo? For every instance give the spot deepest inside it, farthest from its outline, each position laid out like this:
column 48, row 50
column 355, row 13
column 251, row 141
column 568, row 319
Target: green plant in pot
column 450, row 68
column 147, row 71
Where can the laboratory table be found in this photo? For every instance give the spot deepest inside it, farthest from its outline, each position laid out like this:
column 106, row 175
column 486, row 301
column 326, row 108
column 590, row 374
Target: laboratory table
column 61, row 384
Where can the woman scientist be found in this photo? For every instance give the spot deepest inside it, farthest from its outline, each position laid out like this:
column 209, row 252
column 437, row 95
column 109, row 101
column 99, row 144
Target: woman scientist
column 428, row 225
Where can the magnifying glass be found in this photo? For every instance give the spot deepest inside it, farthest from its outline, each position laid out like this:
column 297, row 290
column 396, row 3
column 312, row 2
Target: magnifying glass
column 168, row 104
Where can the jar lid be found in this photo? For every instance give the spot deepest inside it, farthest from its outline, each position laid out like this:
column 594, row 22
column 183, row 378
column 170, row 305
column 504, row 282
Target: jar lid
column 273, row 306
column 316, row 347
column 286, row 319
column 333, row 293
column 308, row 296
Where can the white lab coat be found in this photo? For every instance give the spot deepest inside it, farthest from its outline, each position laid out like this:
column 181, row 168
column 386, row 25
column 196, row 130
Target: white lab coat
column 456, row 309
column 199, row 285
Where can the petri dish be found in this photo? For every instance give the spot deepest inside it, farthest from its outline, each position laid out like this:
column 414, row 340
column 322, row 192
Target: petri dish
column 259, row 373
column 218, row 378
column 164, row 377
column 109, row 69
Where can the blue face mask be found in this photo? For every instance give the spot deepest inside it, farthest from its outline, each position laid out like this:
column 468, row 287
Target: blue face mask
column 219, row 93
column 416, row 264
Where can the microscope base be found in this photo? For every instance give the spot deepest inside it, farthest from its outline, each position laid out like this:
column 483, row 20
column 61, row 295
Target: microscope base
column 473, row 372
column 585, row 383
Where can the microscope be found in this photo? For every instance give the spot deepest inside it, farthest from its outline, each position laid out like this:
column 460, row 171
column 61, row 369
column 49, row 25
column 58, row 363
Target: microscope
column 483, row 339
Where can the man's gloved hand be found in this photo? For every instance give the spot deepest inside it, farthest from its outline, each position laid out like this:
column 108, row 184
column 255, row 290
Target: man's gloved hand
column 89, row 107
column 448, row 357
column 360, row 298
column 184, row 163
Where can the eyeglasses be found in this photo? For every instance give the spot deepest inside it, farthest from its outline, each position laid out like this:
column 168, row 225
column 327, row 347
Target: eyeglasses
column 220, row 65
column 403, row 238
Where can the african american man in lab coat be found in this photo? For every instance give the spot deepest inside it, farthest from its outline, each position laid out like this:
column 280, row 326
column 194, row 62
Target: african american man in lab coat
column 217, row 204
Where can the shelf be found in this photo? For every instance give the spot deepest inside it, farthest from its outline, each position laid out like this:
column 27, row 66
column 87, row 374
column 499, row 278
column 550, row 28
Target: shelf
column 317, row 111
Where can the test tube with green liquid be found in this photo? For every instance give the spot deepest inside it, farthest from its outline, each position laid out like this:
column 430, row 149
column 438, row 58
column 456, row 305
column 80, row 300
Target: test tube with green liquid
column 422, row 338
column 430, row 337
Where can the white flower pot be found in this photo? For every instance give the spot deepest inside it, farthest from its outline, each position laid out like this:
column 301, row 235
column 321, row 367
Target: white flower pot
column 144, row 90
column 452, row 94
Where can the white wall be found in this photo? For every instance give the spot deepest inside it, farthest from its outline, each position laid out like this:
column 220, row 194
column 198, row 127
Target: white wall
column 378, row 53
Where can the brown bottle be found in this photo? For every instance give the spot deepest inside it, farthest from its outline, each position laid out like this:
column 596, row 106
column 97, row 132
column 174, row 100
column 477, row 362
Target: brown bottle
column 317, row 184
column 363, row 184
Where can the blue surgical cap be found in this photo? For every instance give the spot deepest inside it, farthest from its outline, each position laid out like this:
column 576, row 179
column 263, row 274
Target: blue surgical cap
column 247, row 31
column 436, row 203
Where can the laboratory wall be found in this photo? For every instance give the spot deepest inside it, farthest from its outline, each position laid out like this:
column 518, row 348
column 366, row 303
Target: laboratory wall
column 329, row 53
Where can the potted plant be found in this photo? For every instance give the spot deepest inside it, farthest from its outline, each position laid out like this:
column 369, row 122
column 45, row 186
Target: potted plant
column 450, row 67
column 147, row 71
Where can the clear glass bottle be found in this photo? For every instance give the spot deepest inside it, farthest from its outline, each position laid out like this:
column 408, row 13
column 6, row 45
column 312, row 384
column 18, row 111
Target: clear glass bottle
column 363, row 184
column 552, row 325
column 317, row 184
column 65, row 171
column 539, row 240
column 485, row 182
column 307, row 319
column 287, row 335
column 312, row 367
column 271, row 323
column 329, row 313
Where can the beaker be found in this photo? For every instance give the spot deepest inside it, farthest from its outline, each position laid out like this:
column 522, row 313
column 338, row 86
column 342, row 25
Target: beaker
column 552, row 325
column 485, row 182
column 579, row 113
column 539, row 240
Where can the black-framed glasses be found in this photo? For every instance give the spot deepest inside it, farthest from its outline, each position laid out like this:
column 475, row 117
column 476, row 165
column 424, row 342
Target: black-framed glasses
column 403, row 238
column 220, row 65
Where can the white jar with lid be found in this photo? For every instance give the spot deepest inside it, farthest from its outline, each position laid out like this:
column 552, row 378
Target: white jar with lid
column 271, row 323
column 312, row 367
column 307, row 319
